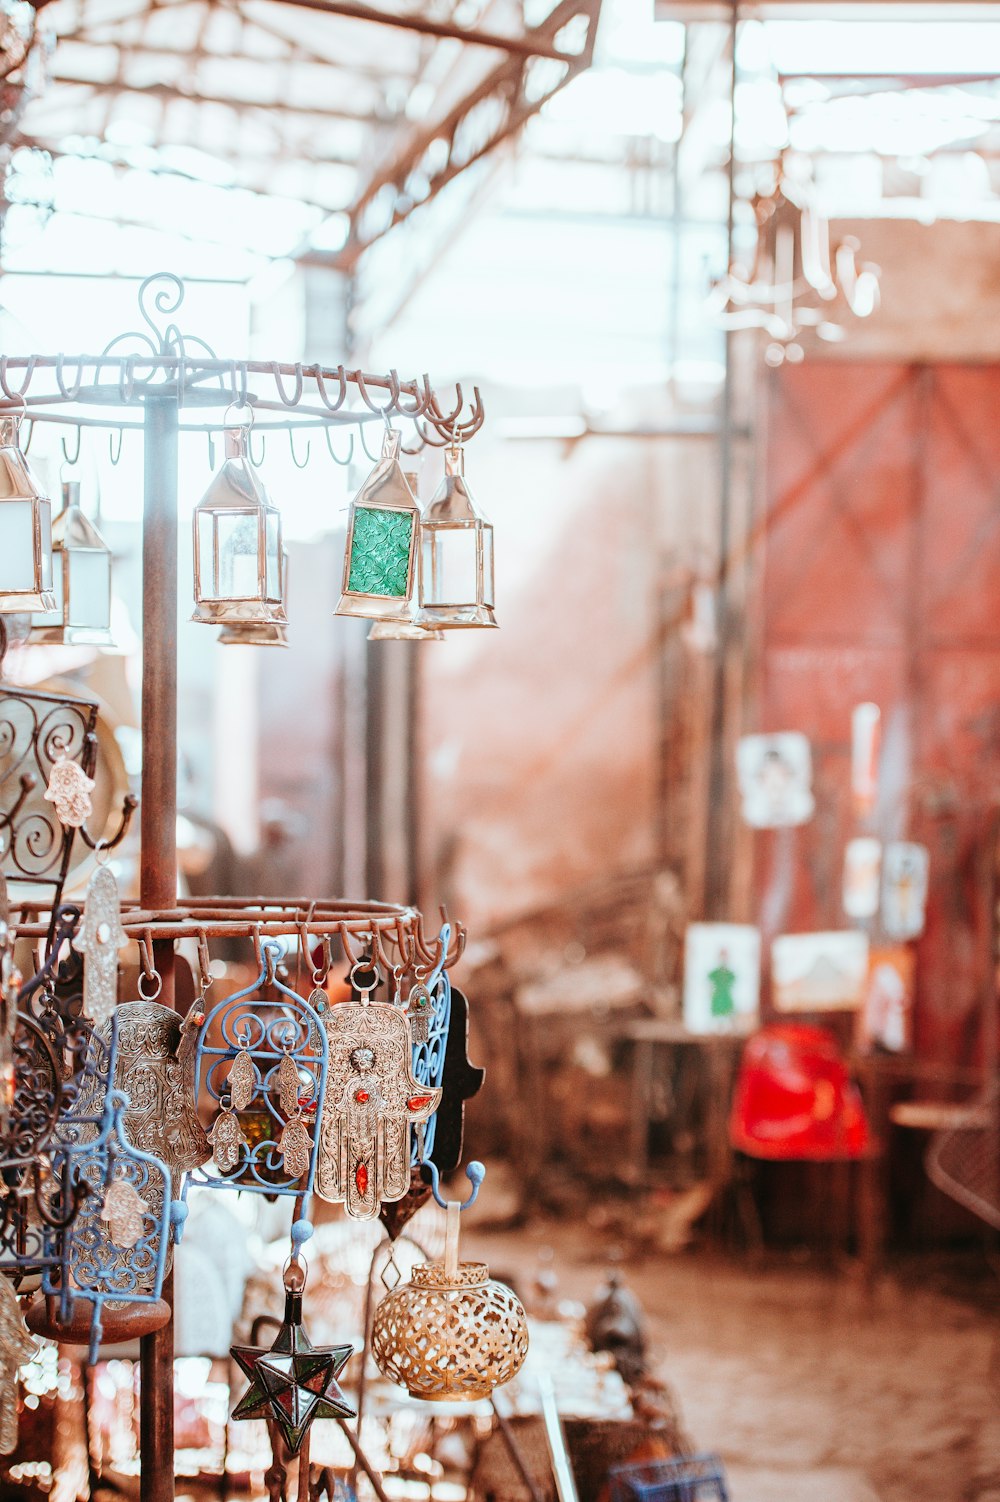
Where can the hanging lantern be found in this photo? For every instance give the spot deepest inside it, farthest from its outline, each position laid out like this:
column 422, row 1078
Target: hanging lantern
column 407, row 630
column 237, row 545
column 81, row 578
column 259, row 633
column 382, row 529
column 25, row 530
column 451, row 1333
column 456, row 554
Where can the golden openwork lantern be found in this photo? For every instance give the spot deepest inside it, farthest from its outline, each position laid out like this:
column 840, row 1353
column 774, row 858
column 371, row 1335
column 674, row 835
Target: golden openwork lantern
column 237, row 544
column 25, row 529
column 452, row 1333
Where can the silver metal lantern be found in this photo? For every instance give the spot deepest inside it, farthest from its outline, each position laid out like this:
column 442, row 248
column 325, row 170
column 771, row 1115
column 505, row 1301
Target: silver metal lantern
column 81, row 578
column 456, row 555
column 25, row 529
column 237, row 545
column 260, row 633
column 382, row 530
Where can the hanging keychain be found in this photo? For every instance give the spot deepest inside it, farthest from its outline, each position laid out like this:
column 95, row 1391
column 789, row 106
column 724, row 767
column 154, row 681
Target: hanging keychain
column 226, row 1137
column 101, row 937
column 420, row 1008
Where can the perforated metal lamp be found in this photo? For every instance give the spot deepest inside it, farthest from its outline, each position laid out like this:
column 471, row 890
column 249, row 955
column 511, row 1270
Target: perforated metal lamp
column 456, row 555
column 260, row 633
column 81, row 577
column 382, row 529
column 237, row 545
column 25, row 530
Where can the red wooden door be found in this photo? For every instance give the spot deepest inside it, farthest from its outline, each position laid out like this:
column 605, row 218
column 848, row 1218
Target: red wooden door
column 881, row 577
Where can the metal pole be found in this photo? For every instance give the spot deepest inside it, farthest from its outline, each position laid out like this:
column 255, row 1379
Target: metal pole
column 717, row 853
column 158, row 868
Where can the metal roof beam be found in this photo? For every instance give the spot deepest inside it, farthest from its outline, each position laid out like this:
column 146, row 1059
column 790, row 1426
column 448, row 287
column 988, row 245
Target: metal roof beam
column 532, row 44
column 240, row 106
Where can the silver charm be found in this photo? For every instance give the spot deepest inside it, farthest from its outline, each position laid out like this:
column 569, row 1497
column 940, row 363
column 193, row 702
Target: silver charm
column 289, row 1085
column 295, row 1145
column 371, row 1098
column 419, row 1011
column 100, row 939
column 69, row 790
column 242, row 1077
column 16, row 1347
column 161, row 1116
column 227, row 1139
column 124, row 1210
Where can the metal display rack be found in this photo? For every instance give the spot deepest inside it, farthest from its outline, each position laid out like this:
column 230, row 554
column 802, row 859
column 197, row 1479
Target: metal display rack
column 174, row 381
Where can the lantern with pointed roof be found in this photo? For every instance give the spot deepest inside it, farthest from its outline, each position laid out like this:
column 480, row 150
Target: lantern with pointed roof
column 81, row 578
column 456, row 555
column 382, row 530
column 237, row 545
column 25, row 529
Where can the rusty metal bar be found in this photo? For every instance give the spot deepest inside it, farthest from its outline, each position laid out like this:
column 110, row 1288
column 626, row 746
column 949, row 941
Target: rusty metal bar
column 523, row 46
column 158, row 861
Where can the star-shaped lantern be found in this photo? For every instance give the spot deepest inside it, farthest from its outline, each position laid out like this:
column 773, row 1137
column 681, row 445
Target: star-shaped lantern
column 292, row 1382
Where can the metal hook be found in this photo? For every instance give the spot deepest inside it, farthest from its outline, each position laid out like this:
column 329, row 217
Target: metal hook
column 288, row 401
column 390, row 405
column 115, row 456
column 211, row 449
column 9, row 392
column 420, row 400
column 129, row 805
column 375, row 459
column 65, row 451
column 350, row 453
column 263, row 448
column 475, row 1173
column 321, row 388
column 299, row 463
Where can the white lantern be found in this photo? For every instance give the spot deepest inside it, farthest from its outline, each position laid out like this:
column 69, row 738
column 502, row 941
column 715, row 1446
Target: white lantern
column 456, row 555
column 81, row 576
column 237, row 545
column 25, row 530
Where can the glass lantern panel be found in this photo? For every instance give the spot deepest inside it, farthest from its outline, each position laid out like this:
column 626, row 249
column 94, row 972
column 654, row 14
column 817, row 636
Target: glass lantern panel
column 17, row 562
column 380, row 552
column 273, row 569
column 488, row 595
column 238, row 563
column 45, row 531
column 89, row 588
column 450, row 576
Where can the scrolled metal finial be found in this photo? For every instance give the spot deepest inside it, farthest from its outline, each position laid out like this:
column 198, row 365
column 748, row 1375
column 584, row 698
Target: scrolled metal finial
column 166, row 300
column 475, row 1173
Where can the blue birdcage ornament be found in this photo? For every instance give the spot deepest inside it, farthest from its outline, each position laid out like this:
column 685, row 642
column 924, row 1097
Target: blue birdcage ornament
column 261, row 1056
column 109, row 1248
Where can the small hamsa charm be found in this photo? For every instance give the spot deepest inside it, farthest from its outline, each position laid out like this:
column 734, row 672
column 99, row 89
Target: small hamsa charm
column 227, row 1139
column 419, row 1011
column 70, row 789
column 289, row 1085
column 100, row 939
column 295, row 1146
column 242, row 1079
column 124, row 1210
column 16, row 1347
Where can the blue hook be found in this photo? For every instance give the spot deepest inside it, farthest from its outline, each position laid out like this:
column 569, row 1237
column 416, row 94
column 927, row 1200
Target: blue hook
column 475, row 1173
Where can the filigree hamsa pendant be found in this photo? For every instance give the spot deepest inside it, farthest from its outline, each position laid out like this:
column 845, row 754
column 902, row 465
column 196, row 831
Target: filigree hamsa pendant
column 124, row 1210
column 371, row 1099
column 161, row 1117
column 69, row 789
column 101, row 938
column 16, row 1347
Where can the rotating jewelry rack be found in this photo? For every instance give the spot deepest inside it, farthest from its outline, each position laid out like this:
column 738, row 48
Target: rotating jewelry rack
column 173, row 380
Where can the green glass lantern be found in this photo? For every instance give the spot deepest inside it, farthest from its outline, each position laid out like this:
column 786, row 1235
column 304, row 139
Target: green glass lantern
column 81, row 577
column 237, row 545
column 382, row 531
column 25, row 530
column 456, row 555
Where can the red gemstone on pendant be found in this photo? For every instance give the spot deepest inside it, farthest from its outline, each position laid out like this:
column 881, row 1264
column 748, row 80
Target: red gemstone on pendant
column 361, row 1178
column 417, row 1102
column 361, row 1096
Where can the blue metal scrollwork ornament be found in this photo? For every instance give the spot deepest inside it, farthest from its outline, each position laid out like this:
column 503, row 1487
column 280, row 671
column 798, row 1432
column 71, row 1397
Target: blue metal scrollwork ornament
column 429, row 1052
column 262, row 1056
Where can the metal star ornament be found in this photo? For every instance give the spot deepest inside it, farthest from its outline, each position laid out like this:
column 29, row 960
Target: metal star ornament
column 292, row 1382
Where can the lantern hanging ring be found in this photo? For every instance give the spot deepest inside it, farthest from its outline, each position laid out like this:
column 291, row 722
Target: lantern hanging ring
column 243, row 405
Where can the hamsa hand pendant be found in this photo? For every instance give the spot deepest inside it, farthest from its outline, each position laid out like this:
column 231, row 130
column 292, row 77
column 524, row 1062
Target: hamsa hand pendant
column 69, row 790
column 16, row 1347
column 100, row 939
column 371, row 1099
column 227, row 1139
column 161, row 1117
column 124, row 1210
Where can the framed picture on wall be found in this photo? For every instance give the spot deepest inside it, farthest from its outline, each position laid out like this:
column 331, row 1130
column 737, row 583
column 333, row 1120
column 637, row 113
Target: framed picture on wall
column 886, row 1016
column 721, row 977
column 819, row 972
column 775, row 777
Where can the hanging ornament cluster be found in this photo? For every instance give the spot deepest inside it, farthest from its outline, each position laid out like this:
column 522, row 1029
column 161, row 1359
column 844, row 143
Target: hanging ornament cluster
column 798, row 280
